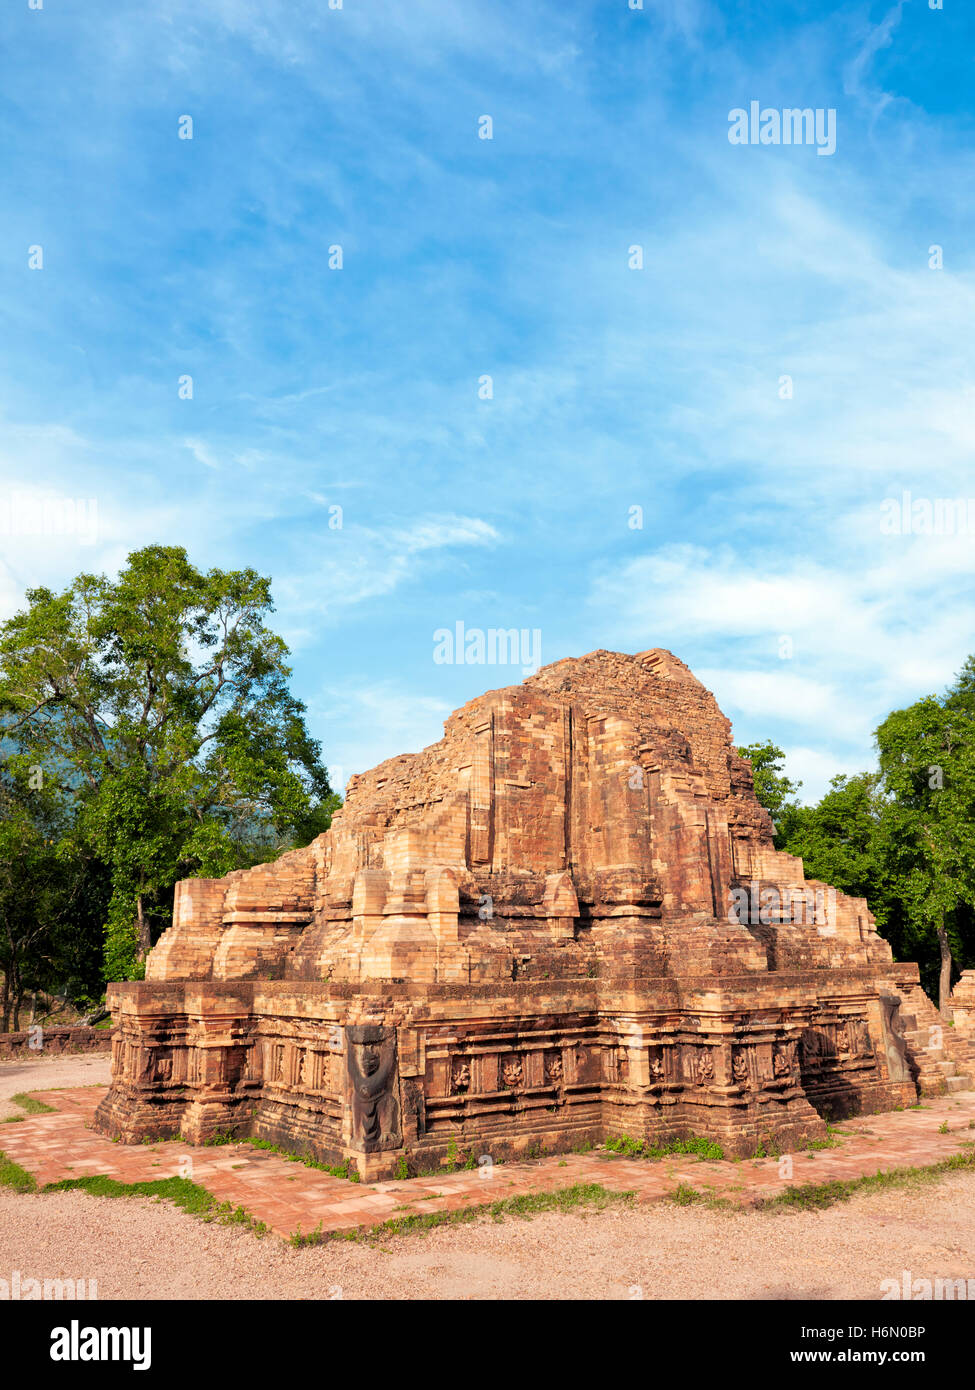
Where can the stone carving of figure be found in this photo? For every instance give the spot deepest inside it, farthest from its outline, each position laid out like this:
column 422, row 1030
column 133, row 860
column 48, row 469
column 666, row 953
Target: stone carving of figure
column 553, row 1067
column 782, row 1059
column 705, row 1067
column 460, row 1076
column 512, row 1071
column 739, row 1068
column 372, row 1063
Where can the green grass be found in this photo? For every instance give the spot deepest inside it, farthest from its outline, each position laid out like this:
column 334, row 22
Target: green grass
column 832, row 1140
column 818, row 1196
column 32, row 1105
column 590, row 1196
column 190, row 1196
column 686, row 1196
column 337, row 1170
column 642, row 1148
column 15, row 1177
column 454, row 1161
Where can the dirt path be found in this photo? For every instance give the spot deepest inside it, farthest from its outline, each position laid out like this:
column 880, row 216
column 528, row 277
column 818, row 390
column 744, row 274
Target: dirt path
column 136, row 1248
column 47, row 1073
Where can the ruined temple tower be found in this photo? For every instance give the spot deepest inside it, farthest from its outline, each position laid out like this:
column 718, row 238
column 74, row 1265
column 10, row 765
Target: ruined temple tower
column 566, row 920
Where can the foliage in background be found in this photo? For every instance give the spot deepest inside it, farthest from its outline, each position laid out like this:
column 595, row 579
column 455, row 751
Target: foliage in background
column 903, row 836
column 927, row 760
column 148, row 734
column 157, row 708
column 775, row 791
column 52, row 899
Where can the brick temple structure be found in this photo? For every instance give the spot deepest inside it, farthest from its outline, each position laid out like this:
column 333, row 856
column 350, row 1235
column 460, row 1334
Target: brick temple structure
column 564, row 921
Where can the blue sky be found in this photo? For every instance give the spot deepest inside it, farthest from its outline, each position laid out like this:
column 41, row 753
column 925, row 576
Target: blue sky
column 613, row 388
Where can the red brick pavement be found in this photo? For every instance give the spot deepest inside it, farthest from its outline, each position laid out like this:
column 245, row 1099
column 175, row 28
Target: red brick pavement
column 288, row 1196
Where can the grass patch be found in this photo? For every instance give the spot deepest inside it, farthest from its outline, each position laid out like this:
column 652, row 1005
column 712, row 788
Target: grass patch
column 190, row 1196
column 337, row 1170
column 832, row 1140
column 819, row 1196
column 15, row 1177
column 684, row 1195
column 31, row 1105
column 455, row 1159
column 591, row 1196
column 643, row 1148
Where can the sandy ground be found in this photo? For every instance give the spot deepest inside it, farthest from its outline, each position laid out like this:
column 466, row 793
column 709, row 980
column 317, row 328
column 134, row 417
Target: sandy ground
column 48, row 1073
column 137, row 1248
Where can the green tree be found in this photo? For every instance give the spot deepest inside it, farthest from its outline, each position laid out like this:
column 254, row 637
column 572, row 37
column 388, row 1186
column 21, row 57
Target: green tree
column 772, row 787
column 158, row 704
column 838, row 838
column 52, row 901
column 927, row 760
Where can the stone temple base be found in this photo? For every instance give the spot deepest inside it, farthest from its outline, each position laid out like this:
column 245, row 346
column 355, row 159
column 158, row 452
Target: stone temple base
column 401, row 1080
column 566, row 921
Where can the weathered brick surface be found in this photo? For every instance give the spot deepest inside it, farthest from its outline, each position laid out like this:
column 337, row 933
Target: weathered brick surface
column 531, row 932
column 963, row 1004
column 31, row 1045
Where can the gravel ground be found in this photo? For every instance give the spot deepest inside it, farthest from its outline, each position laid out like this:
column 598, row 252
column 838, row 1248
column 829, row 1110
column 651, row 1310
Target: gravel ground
column 48, row 1073
column 137, row 1248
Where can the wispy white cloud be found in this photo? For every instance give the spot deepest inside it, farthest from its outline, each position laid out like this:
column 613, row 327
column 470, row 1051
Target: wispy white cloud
column 370, row 723
column 857, row 76
column 798, row 646
column 358, row 388
column 202, row 452
column 356, row 563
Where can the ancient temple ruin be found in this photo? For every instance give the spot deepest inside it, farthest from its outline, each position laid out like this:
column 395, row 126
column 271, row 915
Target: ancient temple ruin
column 564, row 921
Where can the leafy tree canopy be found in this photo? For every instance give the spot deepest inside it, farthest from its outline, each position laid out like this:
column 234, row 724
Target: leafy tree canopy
column 52, row 897
column 927, row 763
column 158, row 706
column 772, row 787
column 838, row 838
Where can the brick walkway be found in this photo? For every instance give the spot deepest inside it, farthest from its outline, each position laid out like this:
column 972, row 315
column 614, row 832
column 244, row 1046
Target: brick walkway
column 288, row 1195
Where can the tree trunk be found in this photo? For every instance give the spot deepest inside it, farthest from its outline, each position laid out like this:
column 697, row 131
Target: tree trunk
column 5, row 1005
column 89, row 1020
column 17, row 994
column 944, row 983
column 33, row 1009
column 143, row 942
